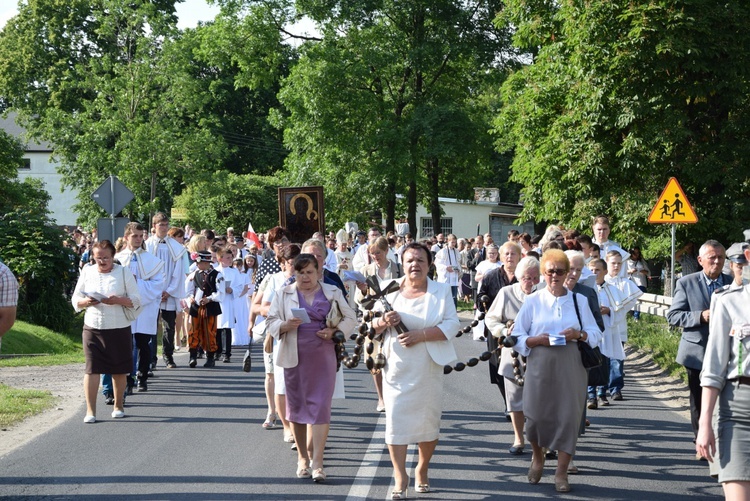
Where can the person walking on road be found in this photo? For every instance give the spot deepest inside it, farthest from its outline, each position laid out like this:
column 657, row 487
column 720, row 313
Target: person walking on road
column 306, row 353
column 548, row 328
column 104, row 291
column 691, row 310
column 725, row 379
column 413, row 374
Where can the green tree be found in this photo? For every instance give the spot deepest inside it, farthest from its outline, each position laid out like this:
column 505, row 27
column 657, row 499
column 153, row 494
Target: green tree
column 390, row 101
column 32, row 245
column 620, row 96
column 94, row 79
column 231, row 199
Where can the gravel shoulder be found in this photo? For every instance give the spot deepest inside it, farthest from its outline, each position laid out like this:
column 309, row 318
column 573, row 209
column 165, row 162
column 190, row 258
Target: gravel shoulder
column 65, row 382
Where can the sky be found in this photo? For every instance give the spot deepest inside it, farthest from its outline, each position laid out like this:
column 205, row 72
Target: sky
column 189, row 12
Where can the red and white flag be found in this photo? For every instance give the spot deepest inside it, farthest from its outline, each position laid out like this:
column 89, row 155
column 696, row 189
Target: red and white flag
column 251, row 235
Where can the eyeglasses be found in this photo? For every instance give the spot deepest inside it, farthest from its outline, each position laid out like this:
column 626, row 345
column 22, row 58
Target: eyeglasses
column 555, row 271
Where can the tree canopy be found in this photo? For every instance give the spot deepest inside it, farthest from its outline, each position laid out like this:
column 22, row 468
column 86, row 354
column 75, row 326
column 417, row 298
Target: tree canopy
column 620, row 97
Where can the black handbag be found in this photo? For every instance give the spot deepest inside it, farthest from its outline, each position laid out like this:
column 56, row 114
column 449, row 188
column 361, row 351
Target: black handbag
column 590, row 357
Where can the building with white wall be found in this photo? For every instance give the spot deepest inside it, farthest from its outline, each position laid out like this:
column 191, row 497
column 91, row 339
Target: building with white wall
column 38, row 163
column 468, row 219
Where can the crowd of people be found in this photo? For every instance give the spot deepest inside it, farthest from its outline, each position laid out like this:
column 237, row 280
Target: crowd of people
column 537, row 300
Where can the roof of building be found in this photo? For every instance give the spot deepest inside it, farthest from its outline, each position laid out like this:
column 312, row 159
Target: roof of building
column 9, row 125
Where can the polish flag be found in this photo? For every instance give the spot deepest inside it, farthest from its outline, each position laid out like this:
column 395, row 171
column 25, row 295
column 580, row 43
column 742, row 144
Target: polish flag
column 253, row 236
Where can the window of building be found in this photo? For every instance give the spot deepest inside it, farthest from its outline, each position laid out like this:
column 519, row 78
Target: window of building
column 426, row 230
column 25, row 164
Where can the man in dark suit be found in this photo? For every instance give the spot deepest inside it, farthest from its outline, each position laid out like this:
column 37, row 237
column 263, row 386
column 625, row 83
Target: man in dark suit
column 691, row 310
column 475, row 256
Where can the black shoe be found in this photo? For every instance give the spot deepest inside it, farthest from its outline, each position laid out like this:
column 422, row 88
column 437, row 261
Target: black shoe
column 171, row 364
column 209, row 363
column 592, row 403
column 142, row 386
column 603, row 400
column 150, row 373
column 551, row 455
column 128, row 390
column 193, row 363
column 109, row 399
column 247, row 363
column 227, row 359
column 617, row 396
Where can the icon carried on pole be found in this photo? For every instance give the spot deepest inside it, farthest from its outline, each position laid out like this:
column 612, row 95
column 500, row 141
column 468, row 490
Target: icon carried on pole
column 673, row 206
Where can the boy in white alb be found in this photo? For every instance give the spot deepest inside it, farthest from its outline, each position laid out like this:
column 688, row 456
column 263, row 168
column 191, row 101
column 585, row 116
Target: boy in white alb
column 610, row 344
column 629, row 294
column 226, row 322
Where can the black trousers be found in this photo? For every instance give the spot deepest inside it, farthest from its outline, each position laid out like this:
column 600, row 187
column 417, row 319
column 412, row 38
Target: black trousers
column 694, row 384
column 167, row 338
column 224, row 342
column 143, row 347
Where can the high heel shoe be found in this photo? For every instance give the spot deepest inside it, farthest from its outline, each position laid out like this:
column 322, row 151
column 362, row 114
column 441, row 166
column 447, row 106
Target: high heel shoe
column 422, row 488
column 270, row 421
column 396, row 494
column 319, row 475
column 401, row 494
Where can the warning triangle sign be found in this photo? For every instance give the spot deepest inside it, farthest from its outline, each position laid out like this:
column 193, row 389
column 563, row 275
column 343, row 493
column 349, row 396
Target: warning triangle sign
column 672, row 206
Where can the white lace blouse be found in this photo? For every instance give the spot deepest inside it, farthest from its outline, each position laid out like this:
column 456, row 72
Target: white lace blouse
column 117, row 283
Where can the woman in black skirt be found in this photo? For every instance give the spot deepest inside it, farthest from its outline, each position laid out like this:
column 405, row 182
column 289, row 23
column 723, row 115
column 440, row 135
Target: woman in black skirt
column 105, row 290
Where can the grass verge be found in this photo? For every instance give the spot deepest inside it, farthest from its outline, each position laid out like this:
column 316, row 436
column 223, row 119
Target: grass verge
column 16, row 405
column 28, row 339
column 653, row 335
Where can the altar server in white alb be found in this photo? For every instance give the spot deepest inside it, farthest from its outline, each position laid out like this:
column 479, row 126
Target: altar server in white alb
column 225, row 323
column 148, row 271
column 170, row 251
column 448, row 266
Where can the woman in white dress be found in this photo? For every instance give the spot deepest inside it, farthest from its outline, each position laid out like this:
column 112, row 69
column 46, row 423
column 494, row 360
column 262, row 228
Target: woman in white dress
column 413, row 374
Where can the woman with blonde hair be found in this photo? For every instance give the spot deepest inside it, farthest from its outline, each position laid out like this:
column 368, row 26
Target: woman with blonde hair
column 548, row 328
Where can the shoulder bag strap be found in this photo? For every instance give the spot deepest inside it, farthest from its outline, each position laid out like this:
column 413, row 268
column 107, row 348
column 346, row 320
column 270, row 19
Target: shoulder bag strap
column 578, row 313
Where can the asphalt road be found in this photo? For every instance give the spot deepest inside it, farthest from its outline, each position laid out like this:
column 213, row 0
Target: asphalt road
column 196, row 435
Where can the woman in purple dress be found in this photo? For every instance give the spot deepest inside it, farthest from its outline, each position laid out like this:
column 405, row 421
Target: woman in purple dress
column 306, row 352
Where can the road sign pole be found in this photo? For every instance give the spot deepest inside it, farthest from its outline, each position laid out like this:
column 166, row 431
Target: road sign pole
column 112, row 207
column 671, row 271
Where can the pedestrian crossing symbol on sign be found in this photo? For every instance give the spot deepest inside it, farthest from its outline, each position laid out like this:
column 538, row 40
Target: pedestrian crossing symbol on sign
column 672, row 206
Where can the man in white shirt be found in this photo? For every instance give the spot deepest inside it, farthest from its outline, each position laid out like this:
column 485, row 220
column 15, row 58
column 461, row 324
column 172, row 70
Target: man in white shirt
column 448, row 265
column 170, row 252
column 362, row 256
column 148, row 271
column 601, row 230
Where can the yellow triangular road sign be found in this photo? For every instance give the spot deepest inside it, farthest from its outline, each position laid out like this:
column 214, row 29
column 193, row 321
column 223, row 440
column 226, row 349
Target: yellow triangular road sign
column 672, row 206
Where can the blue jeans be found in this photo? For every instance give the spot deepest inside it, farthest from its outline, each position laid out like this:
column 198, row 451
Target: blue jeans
column 616, row 376
column 454, row 293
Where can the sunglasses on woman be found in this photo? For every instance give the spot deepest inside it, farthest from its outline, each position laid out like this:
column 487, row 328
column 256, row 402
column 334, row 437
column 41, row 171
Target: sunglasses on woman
column 555, row 271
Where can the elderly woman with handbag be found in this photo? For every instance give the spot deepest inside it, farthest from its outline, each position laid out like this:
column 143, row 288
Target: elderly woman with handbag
column 500, row 319
column 304, row 316
column 111, row 299
column 548, row 329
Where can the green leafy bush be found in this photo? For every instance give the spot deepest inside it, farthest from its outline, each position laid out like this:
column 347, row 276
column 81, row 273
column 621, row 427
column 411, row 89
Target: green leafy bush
column 31, row 246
